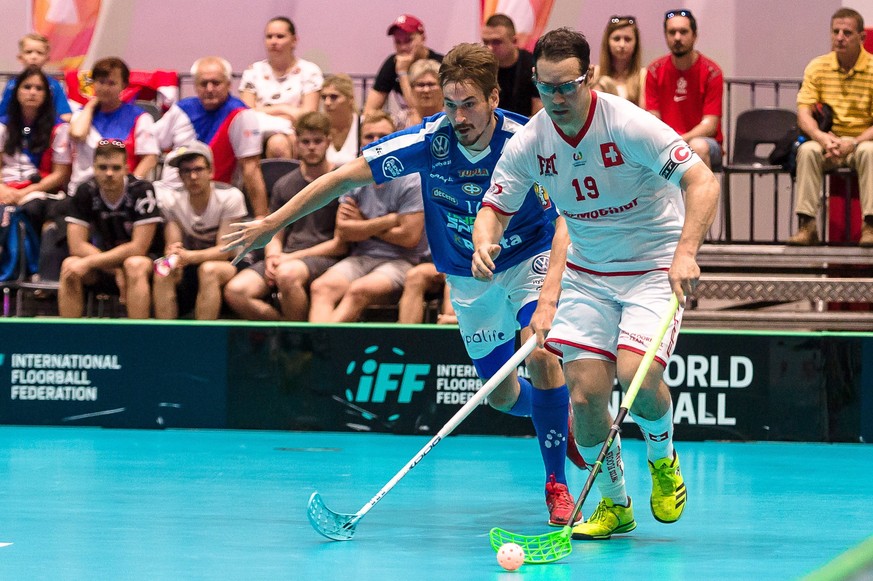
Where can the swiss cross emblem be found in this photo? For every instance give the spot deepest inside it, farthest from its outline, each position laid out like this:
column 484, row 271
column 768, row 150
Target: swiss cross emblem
column 547, row 165
column 611, row 155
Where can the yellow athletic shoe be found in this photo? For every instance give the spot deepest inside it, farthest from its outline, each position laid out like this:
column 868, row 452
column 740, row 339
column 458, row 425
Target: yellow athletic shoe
column 668, row 489
column 608, row 519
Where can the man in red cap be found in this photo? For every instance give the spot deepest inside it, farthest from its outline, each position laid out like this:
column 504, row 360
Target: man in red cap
column 408, row 33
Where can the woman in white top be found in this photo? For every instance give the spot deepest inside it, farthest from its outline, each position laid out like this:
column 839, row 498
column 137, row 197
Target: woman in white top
column 281, row 87
column 338, row 101
column 620, row 59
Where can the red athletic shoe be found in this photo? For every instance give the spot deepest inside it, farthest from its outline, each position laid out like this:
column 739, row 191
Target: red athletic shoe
column 560, row 503
column 572, row 451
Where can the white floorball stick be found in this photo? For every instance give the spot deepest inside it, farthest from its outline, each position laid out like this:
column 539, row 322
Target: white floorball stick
column 341, row 527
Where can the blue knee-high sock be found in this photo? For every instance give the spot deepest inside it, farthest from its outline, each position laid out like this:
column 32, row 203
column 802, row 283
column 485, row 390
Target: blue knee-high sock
column 550, row 411
column 522, row 407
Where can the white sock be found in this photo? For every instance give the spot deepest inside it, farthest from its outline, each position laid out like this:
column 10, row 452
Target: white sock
column 658, row 435
column 610, row 481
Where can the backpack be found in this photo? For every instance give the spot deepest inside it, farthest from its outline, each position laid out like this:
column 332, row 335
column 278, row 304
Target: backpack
column 785, row 150
column 13, row 221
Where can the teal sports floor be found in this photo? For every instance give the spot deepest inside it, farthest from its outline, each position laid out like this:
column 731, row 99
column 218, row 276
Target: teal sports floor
column 94, row 504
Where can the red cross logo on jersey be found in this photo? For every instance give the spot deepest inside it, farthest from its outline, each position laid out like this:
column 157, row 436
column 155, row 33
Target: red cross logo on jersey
column 611, row 155
column 547, row 165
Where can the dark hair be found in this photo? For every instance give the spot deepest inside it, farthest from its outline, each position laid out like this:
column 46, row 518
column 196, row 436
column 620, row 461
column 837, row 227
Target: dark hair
column 470, row 63
column 501, row 20
column 314, row 121
column 287, row 21
column 40, row 136
column 563, row 43
column 849, row 13
column 104, row 67
column 681, row 12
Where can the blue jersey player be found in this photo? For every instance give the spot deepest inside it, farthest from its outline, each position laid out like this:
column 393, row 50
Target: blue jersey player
column 454, row 153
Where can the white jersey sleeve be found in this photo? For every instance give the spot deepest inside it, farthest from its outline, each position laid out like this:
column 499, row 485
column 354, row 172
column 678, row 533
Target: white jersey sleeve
column 511, row 180
column 144, row 136
column 245, row 134
column 61, row 152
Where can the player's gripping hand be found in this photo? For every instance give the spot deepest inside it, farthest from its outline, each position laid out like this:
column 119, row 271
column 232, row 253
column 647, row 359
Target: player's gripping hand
column 483, row 261
column 684, row 275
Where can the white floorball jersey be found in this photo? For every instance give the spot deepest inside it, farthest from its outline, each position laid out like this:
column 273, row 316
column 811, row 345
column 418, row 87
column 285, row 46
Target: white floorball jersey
column 616, row 183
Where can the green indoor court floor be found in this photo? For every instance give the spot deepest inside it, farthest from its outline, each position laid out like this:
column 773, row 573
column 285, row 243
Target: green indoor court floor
column 94, row 504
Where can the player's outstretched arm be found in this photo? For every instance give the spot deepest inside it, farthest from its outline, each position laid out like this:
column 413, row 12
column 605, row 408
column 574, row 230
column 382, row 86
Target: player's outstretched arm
column 248, row 236
column 487, row 231
column 701, row 199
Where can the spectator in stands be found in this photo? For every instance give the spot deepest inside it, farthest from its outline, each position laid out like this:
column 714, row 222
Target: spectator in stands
column 421, row 281
column 106, row 116
column 605, row 84
column 111, row 228
column 36, row 159
column 843, row 79
column 33, row 51
column 223, row 122
column 385, row 226
column 196, row 217
column 338, row 99
column 517, row 91
column 281, row 87
column 298, row 254
column 409, row 39
column 684, row 89
column 424, row 76
column 620, row 60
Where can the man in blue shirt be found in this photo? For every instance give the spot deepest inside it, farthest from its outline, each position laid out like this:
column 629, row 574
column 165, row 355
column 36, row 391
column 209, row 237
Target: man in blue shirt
column 454, row 153
column 33, row 50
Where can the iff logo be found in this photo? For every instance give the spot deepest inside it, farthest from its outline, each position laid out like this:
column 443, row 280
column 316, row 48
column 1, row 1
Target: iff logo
column 377, row 378
column 2, row 358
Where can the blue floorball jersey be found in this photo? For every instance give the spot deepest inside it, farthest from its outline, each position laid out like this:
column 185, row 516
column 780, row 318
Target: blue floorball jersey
column 453, row 181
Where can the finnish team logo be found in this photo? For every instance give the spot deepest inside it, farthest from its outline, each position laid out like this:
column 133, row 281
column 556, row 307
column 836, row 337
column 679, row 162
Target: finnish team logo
column 471, row 189
column 540, row 265
column 392, row 167
column 439, row 147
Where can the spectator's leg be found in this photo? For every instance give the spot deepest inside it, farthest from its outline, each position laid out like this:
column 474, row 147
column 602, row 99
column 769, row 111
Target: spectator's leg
column 862, row 162
column 420, row 280
column 212, row 276
column 138, row 295
column 810, row 169
column 164, row 295
column 325, row 293
column 245, row 295
column 278, row 145
column 375, row 288
column 701, row 148
column 292, row 276
column 71, row 292
column 447, row 314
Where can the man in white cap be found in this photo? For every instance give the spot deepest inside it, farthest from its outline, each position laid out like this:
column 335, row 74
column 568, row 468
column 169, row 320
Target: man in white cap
column 409, row 38
column 194, row 269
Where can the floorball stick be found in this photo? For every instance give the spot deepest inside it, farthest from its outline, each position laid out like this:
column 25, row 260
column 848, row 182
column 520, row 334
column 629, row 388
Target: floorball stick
column 550, row 547
column 341, row 527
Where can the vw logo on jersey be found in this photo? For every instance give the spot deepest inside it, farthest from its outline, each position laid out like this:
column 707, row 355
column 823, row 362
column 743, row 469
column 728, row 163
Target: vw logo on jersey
column 439, row 147
column 471, row 189
column 392, row 167
column 540, row 264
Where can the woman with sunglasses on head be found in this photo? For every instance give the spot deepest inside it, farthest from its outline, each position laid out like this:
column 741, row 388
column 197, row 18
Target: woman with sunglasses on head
column 620, row 59
column 106, row 116
column 35, row 159
column 338, row 102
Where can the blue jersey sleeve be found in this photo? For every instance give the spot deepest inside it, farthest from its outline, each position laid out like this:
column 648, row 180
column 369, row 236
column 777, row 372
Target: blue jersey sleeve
column 403, row 153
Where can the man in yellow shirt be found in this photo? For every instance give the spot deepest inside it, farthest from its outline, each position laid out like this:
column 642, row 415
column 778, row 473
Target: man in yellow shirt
column 843, row 79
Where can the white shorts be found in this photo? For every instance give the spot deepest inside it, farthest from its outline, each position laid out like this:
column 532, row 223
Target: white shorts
column 600, row 314
column 487, row 311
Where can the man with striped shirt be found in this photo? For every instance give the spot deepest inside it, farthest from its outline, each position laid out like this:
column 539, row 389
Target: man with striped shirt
column 843, row 79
